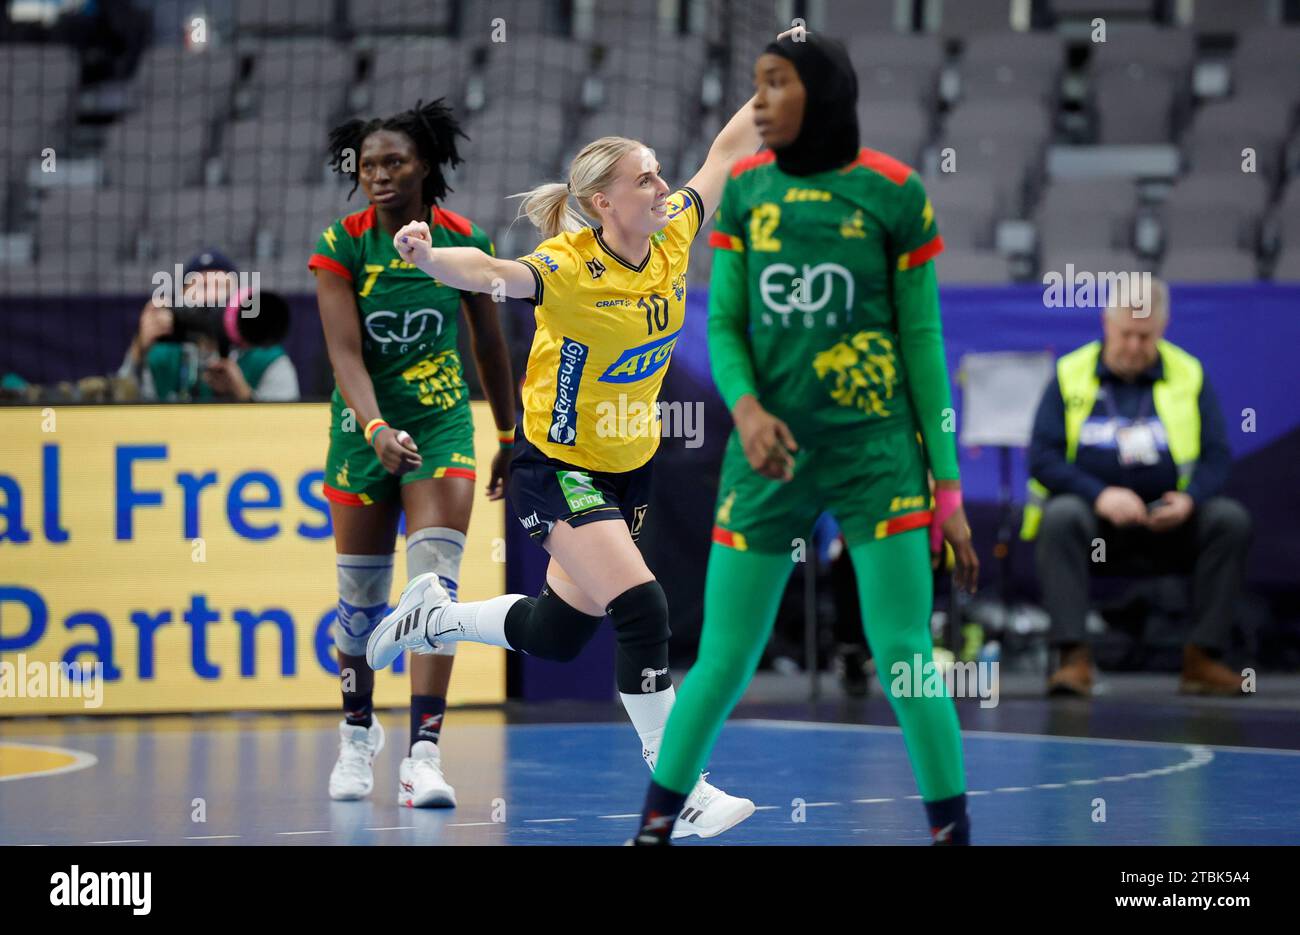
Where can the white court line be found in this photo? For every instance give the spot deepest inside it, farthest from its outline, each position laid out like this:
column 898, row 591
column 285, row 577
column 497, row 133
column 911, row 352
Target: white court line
column 125, row 841
column 628, row 815
column 81, row 760
column 286, row 833
column 999, row 735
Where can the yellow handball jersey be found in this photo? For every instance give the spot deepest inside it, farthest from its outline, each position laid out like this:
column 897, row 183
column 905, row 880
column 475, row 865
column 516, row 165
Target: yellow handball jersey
column 605, row 334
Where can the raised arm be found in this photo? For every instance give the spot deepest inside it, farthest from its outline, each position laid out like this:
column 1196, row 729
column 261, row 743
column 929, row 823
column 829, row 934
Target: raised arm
column 468, row 269
column 737, row 140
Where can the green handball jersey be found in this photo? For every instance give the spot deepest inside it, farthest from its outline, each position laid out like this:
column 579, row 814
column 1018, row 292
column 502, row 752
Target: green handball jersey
column 805, row 265
column 408, row 343
column 823, row 307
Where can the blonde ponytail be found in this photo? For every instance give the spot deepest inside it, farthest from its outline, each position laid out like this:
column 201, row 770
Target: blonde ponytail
column 592, row 170
column 547, row 206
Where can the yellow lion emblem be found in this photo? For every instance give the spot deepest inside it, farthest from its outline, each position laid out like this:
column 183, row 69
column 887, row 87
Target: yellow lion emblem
column 438, row 380
column 860, row 371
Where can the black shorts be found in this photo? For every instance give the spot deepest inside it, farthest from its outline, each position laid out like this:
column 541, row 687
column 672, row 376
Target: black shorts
column 544, row 491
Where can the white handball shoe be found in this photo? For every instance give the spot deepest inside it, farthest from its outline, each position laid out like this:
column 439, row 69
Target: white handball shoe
column 709, row 811
column 406, row 625
column 353, row 775
column 420, row 783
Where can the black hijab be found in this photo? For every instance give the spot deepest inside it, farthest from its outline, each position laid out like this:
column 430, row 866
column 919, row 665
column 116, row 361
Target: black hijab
column 830, row 139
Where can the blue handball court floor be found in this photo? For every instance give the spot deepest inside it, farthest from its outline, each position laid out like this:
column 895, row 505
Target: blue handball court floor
column 1159, row 769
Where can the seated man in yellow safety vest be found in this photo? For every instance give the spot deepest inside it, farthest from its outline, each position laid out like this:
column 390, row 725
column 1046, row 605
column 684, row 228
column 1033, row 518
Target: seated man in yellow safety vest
column 1128, row 456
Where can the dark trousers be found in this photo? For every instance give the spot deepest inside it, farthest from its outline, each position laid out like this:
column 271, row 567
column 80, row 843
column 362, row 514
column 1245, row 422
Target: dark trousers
column 1210, row 546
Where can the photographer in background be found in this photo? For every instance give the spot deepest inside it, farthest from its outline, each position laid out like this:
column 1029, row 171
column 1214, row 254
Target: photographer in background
column 207, row 351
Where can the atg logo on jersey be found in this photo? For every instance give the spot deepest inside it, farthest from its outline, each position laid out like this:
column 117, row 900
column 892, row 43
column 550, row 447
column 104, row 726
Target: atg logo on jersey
column 640, row 362
column 546, row 261
column 564, row 415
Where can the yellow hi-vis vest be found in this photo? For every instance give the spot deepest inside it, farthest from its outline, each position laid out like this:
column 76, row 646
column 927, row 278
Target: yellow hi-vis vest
column 1176, row 396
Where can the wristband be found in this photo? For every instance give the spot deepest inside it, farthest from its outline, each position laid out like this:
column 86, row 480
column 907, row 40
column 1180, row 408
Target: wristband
column 946, row 502
column 373, row 426
column 506, row 439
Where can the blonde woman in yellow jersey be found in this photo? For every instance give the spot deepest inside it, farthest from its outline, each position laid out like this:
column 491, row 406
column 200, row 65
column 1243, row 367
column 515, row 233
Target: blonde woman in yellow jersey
column 610, row 302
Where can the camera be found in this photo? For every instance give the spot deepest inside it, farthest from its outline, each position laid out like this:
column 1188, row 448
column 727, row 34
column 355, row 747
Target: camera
column 250, row 319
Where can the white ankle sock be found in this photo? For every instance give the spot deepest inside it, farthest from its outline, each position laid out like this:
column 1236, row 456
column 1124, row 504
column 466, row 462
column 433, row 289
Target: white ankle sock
column 484, row 621
column 649, row 714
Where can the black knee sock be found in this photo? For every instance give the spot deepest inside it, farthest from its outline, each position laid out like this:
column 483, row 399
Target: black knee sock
column 358, row 708
column 640, row 618
column 548, row 627
column 949, row 823
column 426, row 717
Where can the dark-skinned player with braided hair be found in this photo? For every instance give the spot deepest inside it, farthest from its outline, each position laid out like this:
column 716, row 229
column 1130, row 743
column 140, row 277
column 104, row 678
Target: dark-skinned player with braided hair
column 401, row 431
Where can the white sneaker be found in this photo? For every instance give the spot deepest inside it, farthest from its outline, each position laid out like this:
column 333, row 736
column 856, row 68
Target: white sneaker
column 353, row 775
column 420, row 783
column 709, row 811
column 406, row 625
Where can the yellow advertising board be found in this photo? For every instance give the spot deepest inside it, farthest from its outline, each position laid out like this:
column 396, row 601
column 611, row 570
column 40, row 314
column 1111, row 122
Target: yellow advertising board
column 188, row 551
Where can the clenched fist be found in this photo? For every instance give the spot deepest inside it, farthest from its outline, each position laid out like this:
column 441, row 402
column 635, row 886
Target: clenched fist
column 413, row 242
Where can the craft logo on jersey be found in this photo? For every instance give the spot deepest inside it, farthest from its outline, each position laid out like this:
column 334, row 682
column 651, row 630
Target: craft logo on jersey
column 564, row 415
column 860, row 371
column 596, row 268
column 640, row 362
column 392, row 328
column 679, row 286
column 785, row 290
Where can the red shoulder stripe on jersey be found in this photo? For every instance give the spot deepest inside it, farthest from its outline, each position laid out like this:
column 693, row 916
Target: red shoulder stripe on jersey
column 357, row 224
column 318, row 261
column 897, row 172
column 452, row 221
column 752, row 162
column 927, row 251
column 726, row 241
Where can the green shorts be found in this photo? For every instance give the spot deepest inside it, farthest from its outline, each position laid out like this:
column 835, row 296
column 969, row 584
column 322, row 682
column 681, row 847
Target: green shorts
column 355, row 476
column 875, row 486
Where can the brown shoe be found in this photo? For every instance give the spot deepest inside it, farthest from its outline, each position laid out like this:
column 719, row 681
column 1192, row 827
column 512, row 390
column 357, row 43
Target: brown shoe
column 1205, row 675
column 1074, row 677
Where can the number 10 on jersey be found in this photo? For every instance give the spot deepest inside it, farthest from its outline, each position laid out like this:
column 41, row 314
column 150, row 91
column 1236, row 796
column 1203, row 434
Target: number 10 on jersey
column 656, row 312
